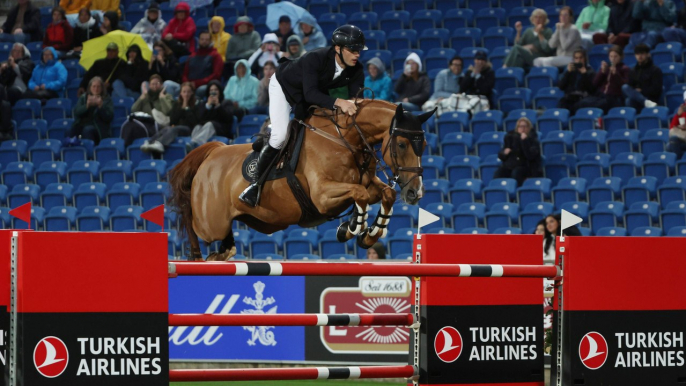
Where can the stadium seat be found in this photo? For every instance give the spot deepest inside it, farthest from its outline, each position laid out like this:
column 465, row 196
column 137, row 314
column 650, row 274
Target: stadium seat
column 659, row 165
column 605, row 214
column 465, row 190
column 626, row 165
column 500, row 190
column 489, row 144
column 22, row 194
column 611, row 231
column 652, row 118
column 56, row 195
column 589, row 142
column 375, row 39
column 498, row 37
column 149, row 171
column 485, row 121
column 672, row 189
column 394, row 20
column 154, row 194
column 540, row 78
column 261, row 243
column 585, row 119
column 639, row 189
column 533, row 190
column 126, row 217
column 619, row 118
column 569, row 190
column 437, row 58
column 436, row 191
column 300, row 241
column 37, row 219
column 508, row 78
column 604, row 189
column 464, row 37
column 468, row 215
column 622, row 141
column 16, row 173
column 532, row 214
column 559, row 166
column 501, row 215
column 548, row 98
column 489, row 17
column 455, row 144
column 12, row 151
column 654, row 141
column 123, row 194
column 552, row 120
column 455, row 18
column 115, row 171
column 60, row 219
column 647, row 232
column 557, row 142
column 452, row 122
column 50, row 172
column 401, row 38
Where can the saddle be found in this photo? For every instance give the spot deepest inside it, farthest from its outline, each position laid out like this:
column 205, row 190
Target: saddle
column 285, row 166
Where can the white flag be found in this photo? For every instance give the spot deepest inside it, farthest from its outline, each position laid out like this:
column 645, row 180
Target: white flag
column 569, row 219
column 426, row 218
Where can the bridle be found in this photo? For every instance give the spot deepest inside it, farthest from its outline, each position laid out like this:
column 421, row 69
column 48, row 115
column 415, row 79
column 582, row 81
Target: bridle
column 369, row 154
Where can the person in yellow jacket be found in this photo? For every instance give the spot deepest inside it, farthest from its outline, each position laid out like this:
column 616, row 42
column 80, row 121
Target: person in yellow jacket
column 74, row 6
column 220, row 38
column 106, row 5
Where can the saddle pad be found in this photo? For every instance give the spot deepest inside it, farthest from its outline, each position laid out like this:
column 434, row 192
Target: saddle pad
column 290, row 163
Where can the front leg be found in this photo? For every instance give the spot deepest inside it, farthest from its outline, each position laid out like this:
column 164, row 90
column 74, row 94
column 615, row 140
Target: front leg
column 379, row 227
column 331, row 195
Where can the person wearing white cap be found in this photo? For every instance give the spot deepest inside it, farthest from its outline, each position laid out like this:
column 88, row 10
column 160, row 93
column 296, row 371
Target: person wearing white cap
column 414, row 87
column 677, row 131
column 268, row 52
column 309, row 81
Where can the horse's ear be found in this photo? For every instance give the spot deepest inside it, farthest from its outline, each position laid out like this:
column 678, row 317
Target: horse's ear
column 399, row 110
column 425, row 117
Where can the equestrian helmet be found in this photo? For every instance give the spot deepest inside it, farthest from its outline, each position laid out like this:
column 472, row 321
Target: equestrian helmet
column 350, row 37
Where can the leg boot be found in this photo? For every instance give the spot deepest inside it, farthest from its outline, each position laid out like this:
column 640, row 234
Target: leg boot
column 251, row 195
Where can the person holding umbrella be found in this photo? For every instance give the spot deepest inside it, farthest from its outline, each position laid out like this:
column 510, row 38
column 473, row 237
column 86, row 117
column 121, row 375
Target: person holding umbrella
column 132, row 75
column 304, row 82
column 108, row 69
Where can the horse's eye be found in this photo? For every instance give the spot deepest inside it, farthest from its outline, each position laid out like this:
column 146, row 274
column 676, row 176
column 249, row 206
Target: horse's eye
column 402, row 146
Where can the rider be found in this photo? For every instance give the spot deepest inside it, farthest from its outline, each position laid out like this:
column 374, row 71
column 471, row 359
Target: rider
column 305, row 82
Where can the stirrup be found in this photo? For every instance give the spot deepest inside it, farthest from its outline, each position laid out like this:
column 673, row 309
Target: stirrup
column 243, row 197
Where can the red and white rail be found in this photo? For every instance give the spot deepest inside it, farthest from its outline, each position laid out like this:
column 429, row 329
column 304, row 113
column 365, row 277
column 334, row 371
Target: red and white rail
column 292, row 373
column 291, row 320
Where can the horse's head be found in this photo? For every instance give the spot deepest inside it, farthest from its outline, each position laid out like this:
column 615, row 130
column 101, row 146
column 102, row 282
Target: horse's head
column 402, row 150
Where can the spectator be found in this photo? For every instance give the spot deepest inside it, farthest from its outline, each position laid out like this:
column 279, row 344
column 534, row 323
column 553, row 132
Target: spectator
column 310, row 33
column 15, row 74
column 213, row 116
column 295, row 46
column 376, row 252
column 93, row 114
column 284, row 32
column 106, row 6
column 269, row 51
column 245, row 40
column 86, row 28
column 182, row 119
column 179, row 34
column 49, row 78
column 576, row 82
column 414, row 87
column 241, row 91
column 164, row 63
column 540, row 228
column 202, row 66
column 378, row 81
column 553, row 229
column 565, row 40
column 677, row 33
column 74, row 6
column 154, row 101
column 108, row 69
column 59, row 33
column 22, row 24
column 262, row 106
column 150, row 27
column 677, row 131
column 521, row 154
column 110, row 22
column 132, row 75
column 220, row 38
column 532, row 44
column 593, row 19
column 620, row 26
column 480, row 77
column 608, row 82
column 448, row 80
column 655, row 16
column 645, row 81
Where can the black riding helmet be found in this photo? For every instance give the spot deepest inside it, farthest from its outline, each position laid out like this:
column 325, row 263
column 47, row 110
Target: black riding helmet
column 350, row 37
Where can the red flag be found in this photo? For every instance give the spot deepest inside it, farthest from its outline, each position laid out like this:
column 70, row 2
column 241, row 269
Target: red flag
column 23, row 213
column 155, row 215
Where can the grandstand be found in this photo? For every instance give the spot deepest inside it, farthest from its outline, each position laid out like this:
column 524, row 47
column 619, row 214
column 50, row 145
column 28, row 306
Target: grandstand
column 612, row 170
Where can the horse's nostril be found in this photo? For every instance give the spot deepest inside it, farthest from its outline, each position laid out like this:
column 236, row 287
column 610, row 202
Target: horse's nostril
column 411, row 194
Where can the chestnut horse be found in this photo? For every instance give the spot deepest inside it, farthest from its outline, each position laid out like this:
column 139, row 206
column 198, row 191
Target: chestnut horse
column 337, row 168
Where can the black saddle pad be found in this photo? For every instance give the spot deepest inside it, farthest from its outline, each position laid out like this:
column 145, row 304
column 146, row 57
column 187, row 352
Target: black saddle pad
column 285, row 166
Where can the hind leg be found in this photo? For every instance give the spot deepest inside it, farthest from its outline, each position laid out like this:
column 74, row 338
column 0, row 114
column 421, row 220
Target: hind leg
column 195, row 254
column 226, row 251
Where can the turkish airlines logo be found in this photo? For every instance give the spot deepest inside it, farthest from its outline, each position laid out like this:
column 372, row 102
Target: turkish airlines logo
column 50, row 357
column 593, row 350
column 448, row 344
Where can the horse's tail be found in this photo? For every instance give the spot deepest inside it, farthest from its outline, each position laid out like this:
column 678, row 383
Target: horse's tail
column 181, row 180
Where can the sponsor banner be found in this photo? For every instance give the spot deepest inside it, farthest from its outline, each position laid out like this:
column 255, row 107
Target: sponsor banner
column 93, row 348
column 358, row 344
column 482, row 345
column 4, row 343
column 237, row 295
column 628, row 347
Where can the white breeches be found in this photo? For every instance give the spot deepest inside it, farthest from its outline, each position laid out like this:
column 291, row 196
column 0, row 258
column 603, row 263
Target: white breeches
column 279, row 113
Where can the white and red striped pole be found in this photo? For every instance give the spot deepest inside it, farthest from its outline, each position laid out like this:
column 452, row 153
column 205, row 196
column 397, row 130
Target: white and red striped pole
column 300, row 373
column 360, row 269
column 291, row 320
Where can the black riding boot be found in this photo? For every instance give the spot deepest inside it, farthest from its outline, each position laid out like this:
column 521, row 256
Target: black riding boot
column 251, row 195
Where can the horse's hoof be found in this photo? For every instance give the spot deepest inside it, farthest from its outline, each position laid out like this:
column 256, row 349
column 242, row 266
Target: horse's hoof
column 360, row 240
column 342, row 232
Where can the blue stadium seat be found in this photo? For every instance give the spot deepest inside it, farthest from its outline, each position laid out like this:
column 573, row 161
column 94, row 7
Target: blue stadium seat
column 626, row 165
column 468, row 53
column 425, row 19
column 261, row 243
column 394, row 20
column 464, row 37
column 452, row 122
column 619, row 118
column 501, row 215
column 500, row 190
column 437, row 58
column 12, row 151
column 125, row 218
column 552, row 120
column 518, row 13
column 22, row 194
column 585, row 119
column 532, row 214
column 593, row 165
column 56, row 195
column 375, row 39
column 457, row 18
column 455, row 144
column 485, row 121
column 498, row 37
column 16, row 173
column 559, row 166
column 568, row 190
column 639, row 189
column 381, row 7
column 515, row 115
column 622, row 141
column 436, row 191
column 26, row 109
column 652, row 118
column 60, row 219
column 647, row 232
column 611, row 231
column 468, row 215
column 548, row 98
column 666, row 52
column 508, row 78
column 414, row 6
column 93, row 218
column 115, row 171
column 89, row 194
column 50, row 172
column 507, row 231
column 300, row 241
column 672, row 189
column 578, row 208
column 83, row 172
column 58, row 128
column 109, row 149
column 44, row 150
column 154, row 194
column 349, row 7
column 37, row 218
column 31, row 130
column 488, row 167
column 672, row 73
column 433, row 166
column 401, row 38
column 489, row 17
column 533, row 190
column 489, row 143
column 498, row 55
column 654, row 141
column 606, row 214
column 516, row 98
column 443, row 210
column 604, row 189
column 557, row 142
column 659, row 165
column 465, row 190
column 541, row 78
column 149, row 171
column 589, row 142
column 123, row 194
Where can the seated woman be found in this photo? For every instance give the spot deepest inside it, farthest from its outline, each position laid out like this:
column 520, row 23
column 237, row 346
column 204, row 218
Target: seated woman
column 214, row 117
column 241, row 90
column 49, row 78
column 179, row 34
column 413, row 88
column 609, row 81
column 93, row 114
column 86, row 28
column 565, row 40
column 521, row 154
column 59, row 34
column 164, row 63
column 532, row 44
column 183, row 118
column 154, row 98
column 480, row 78
column 378, row 81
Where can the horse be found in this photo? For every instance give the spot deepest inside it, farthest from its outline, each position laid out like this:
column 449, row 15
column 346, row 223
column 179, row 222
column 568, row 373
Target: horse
column 336, row 170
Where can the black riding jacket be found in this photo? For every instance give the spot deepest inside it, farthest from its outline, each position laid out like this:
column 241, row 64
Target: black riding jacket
column 307, row 80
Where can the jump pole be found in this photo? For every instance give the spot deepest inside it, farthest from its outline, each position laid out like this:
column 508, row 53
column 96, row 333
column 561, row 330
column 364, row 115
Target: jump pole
column 301, row 373
column 361, row 269
column 291, row 320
